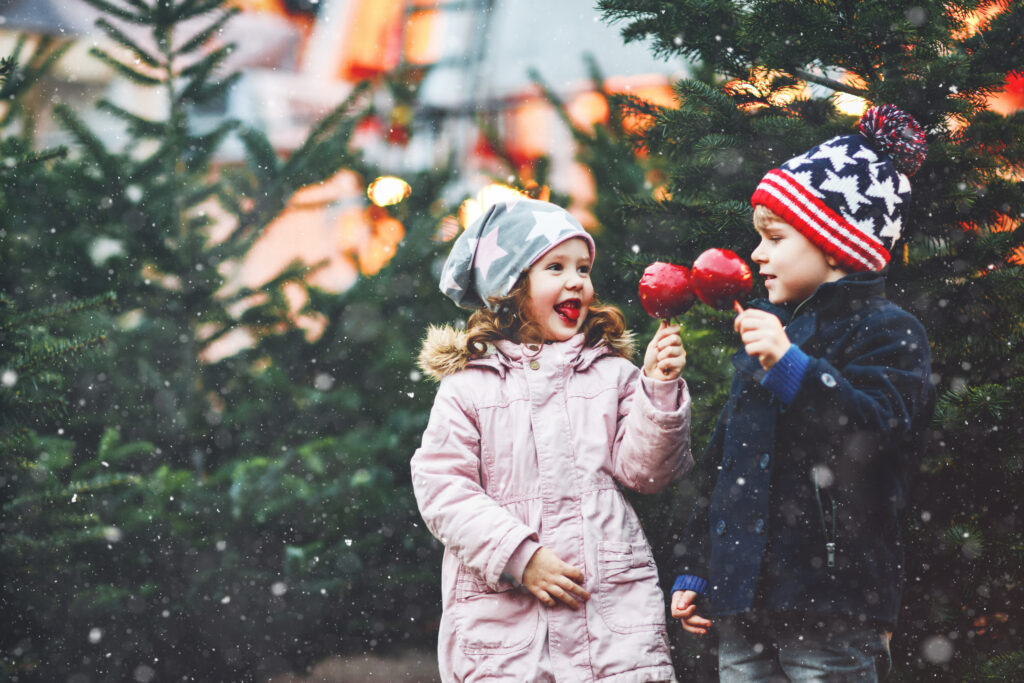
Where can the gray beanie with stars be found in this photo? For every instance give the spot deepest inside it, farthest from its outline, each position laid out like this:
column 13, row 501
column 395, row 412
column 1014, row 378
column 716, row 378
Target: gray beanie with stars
column 507, row 239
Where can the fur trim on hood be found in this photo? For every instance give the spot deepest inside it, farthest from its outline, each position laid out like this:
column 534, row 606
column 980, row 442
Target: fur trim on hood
column 444, row 350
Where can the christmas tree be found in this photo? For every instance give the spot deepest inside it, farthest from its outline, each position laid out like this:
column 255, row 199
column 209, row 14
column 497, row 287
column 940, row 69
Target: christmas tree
column 256, row 507
column 775, row 78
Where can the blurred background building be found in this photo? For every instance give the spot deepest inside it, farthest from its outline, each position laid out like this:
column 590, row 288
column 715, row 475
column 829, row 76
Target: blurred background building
column 456, row 89
column 454, row 77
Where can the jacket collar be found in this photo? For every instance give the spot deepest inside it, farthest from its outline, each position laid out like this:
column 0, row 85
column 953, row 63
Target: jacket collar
column 572, row 352
column 801, row 321
column 444, row 352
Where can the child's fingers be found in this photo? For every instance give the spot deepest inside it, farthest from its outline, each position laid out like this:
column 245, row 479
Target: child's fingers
column 574, row 588
column 564, row 595
column 696, row 630
column 543, row 596
column 697, row 621
column 571, row 572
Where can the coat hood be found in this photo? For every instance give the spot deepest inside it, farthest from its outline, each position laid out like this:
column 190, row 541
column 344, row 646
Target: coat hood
column 444, row 352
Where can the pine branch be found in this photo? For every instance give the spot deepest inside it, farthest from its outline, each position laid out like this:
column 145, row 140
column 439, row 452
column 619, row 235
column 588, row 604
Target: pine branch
column 139, row 17
column 829, row 83
column 195, row 8
column 137, row 125
column 61, row 351
column 95, row 148
column 205, row 147
column 261, row 157
column 206, row 34
column 54, row 311
column 123, row 69
column 126, row 41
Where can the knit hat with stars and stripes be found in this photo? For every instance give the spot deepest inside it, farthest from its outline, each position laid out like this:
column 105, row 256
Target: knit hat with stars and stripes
column 510, row 236
column 847, row 195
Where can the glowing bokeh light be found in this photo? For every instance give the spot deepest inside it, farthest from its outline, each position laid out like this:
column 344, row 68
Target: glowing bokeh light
column 474, row 207
column 388, row 190
column 848, row 104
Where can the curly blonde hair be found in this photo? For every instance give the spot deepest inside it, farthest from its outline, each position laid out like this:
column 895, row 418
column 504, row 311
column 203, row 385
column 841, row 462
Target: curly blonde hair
column 510, row 320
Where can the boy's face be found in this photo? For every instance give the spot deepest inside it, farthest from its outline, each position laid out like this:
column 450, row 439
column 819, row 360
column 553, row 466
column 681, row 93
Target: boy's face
column 792, row 267
column 560, row 290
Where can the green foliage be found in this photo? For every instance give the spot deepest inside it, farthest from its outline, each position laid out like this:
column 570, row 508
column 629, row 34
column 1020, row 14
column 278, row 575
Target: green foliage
column 735, row 120
column 219, row 520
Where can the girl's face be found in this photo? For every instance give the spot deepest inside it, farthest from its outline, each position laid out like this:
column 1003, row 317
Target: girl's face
column 560, row 290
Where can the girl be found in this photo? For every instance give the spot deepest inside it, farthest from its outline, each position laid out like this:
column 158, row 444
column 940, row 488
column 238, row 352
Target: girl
column 539, row 418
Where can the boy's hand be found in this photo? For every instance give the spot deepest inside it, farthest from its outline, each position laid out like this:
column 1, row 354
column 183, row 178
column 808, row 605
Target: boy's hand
column 665, row 357
column 684, row 608
column 762, row 335
column 549, row 578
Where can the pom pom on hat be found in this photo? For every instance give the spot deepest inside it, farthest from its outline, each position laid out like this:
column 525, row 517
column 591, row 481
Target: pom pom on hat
column 898, row 134
column 847, row 195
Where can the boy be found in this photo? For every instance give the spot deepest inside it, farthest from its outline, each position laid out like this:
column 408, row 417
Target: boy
column 794, row 544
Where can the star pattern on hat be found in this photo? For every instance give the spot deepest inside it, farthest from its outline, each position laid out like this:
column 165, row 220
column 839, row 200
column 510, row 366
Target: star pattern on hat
column 884, row 189
column 549, row 225
column 448, row 283
column 837, row 154
column 845, row 185
column 487, row 252
column 893, row 227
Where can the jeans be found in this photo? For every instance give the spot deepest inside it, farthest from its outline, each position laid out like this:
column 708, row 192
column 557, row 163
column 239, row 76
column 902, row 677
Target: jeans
column 778, row 647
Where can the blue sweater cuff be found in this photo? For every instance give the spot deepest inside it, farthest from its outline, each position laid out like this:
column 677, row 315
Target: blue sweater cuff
column 784, row 378
column 686, row 582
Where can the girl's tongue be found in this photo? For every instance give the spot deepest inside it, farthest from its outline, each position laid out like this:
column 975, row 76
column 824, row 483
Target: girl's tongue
column 569, row 310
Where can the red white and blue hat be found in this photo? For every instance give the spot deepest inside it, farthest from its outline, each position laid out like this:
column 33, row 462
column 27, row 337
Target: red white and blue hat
column 848, row 194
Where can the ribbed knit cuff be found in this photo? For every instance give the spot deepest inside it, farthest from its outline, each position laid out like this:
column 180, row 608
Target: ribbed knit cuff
column 518, row 560
column 784, row 378
column 664, row 395
column 685, row 582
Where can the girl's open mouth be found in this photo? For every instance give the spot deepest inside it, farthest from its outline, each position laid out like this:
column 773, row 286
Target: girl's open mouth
column 568, row 310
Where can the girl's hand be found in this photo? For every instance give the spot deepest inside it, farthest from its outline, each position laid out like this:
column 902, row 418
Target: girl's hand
column 684, row 608
column 549, row 578
column 665, row 357
column 762, row 335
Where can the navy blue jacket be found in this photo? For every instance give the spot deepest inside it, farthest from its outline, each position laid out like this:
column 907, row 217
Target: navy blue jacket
column 800, row 501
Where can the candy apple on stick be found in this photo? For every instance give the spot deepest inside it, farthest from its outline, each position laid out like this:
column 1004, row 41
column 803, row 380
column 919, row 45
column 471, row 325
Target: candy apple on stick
column 721, row 278
column 666, row 291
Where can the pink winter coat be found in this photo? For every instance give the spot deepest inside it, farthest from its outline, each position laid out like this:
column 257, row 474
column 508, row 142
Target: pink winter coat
column 528, row 448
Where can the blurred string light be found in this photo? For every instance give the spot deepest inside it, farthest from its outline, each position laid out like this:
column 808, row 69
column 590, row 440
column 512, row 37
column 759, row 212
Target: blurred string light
column 474, row 207
column 848, row 104
column 388, row 190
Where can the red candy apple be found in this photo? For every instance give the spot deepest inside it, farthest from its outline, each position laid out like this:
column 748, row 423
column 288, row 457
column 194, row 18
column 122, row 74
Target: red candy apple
column 720, row 278
column 665, row 290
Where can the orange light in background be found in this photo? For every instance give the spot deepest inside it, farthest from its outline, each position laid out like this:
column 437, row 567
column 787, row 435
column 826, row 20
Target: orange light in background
column 272, row 6
column 388, row 190
column 851, row 104
column 1011, row 98
column 447, row 230
column 474, row 207
column 660, row 95
column 588, row 109
column 978, row 20
column 371, row 236
column 373, row 39
column 759, row 83
column 421, row 44
column 529, row 131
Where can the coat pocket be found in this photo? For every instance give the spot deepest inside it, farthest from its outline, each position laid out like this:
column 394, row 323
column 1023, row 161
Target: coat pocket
column 628, row 595
column 493, row 622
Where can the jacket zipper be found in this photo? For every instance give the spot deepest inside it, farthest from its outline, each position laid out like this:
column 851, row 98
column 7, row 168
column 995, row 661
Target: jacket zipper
column 830, row 535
